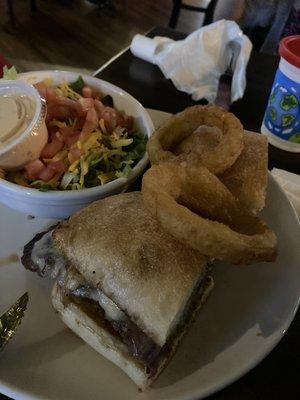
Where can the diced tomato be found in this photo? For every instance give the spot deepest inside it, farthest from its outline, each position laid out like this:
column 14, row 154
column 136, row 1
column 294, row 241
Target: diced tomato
column 52, row 131
column 81, row 112
column 109, row 115
column 86, row 104
column 99, row 107
column 129, row 122
column 52, row 148
column 46, row 174
column 75, row 154
column 96, row 94
column 41, row 88
column 51, row 96
column 79, row 123
column 67, row 131
column 60, row 107
column 73, row 105
column 33, row 168
column 87, row 91
column 57, row 166
column 55, row 111
column 90, row 124
column 59, row 136
column 120, row 120
column 70, row 140
column 125, row 121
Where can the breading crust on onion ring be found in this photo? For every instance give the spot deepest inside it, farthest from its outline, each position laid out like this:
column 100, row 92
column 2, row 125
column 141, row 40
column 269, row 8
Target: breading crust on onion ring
column 247, row 178
column 198, row 210
column 178, row 134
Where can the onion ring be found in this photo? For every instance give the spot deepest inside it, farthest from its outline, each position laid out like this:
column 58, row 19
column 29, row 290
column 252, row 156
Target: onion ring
column 195, row 207
column 177, row 136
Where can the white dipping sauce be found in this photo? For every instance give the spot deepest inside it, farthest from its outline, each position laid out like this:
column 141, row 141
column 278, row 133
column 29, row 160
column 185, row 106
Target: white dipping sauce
column 16, row 112
column 23, row 131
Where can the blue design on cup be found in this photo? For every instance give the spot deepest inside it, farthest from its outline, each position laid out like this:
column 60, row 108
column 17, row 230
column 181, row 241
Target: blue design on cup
column 282, row 116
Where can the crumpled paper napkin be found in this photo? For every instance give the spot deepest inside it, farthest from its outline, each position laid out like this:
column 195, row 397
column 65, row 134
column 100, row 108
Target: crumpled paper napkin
column 290, row 183
column 196, row 63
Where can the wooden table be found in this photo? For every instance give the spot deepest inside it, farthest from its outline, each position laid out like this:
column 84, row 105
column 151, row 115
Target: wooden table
column 276, row 377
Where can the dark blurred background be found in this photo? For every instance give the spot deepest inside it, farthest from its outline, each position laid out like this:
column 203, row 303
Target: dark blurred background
column 84, row 34
column 79, row 34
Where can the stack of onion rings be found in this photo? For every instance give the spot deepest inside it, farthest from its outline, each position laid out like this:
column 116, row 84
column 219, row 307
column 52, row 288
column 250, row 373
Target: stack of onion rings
column 190, row 201
column 177, row 135
column 198, row 210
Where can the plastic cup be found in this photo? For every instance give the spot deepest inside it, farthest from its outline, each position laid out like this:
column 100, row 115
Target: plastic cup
column 281, row 122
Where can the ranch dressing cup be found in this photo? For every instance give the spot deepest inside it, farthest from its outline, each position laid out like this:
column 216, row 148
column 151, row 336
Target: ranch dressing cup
column 282, row 116
column 23, row 132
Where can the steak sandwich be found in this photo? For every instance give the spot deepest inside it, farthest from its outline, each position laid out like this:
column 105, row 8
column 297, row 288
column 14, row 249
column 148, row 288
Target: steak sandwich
column 123, row 285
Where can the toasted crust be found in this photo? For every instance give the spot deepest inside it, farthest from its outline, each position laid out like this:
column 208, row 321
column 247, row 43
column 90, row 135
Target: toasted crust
column 247, row 178
column 94, row 333
column 117, row 246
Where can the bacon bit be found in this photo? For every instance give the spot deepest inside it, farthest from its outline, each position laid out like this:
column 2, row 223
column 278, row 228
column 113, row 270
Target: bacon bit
column 33, row 168
column 52, row 148
column 87, row 91
column 46, row 174
column 90, row 124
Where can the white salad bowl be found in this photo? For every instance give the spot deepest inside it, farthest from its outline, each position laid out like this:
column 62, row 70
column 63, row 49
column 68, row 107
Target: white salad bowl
column 61, row 204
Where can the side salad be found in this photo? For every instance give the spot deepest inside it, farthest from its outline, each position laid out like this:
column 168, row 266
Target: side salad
column 90, row 141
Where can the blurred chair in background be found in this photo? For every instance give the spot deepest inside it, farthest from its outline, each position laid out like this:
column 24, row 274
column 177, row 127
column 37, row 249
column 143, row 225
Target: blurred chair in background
column 100, row 3
column 10, row 10
column 264, row 21
column 204, row 6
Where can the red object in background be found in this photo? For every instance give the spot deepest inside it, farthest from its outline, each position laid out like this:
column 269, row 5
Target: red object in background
column 3, row 62
column 289, row 49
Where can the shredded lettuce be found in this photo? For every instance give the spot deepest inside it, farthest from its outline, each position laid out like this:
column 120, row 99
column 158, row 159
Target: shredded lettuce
column 78, row 85
column 67, row 179
column 10, row 73
column 137, row 148
column 107, row 101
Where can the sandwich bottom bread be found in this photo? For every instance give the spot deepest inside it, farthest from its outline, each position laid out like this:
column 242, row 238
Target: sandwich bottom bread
column 124, row 285
column 94, row 332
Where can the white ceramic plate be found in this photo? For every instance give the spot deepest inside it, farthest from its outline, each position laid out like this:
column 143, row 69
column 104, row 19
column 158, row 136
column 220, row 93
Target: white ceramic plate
column 246, row 315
